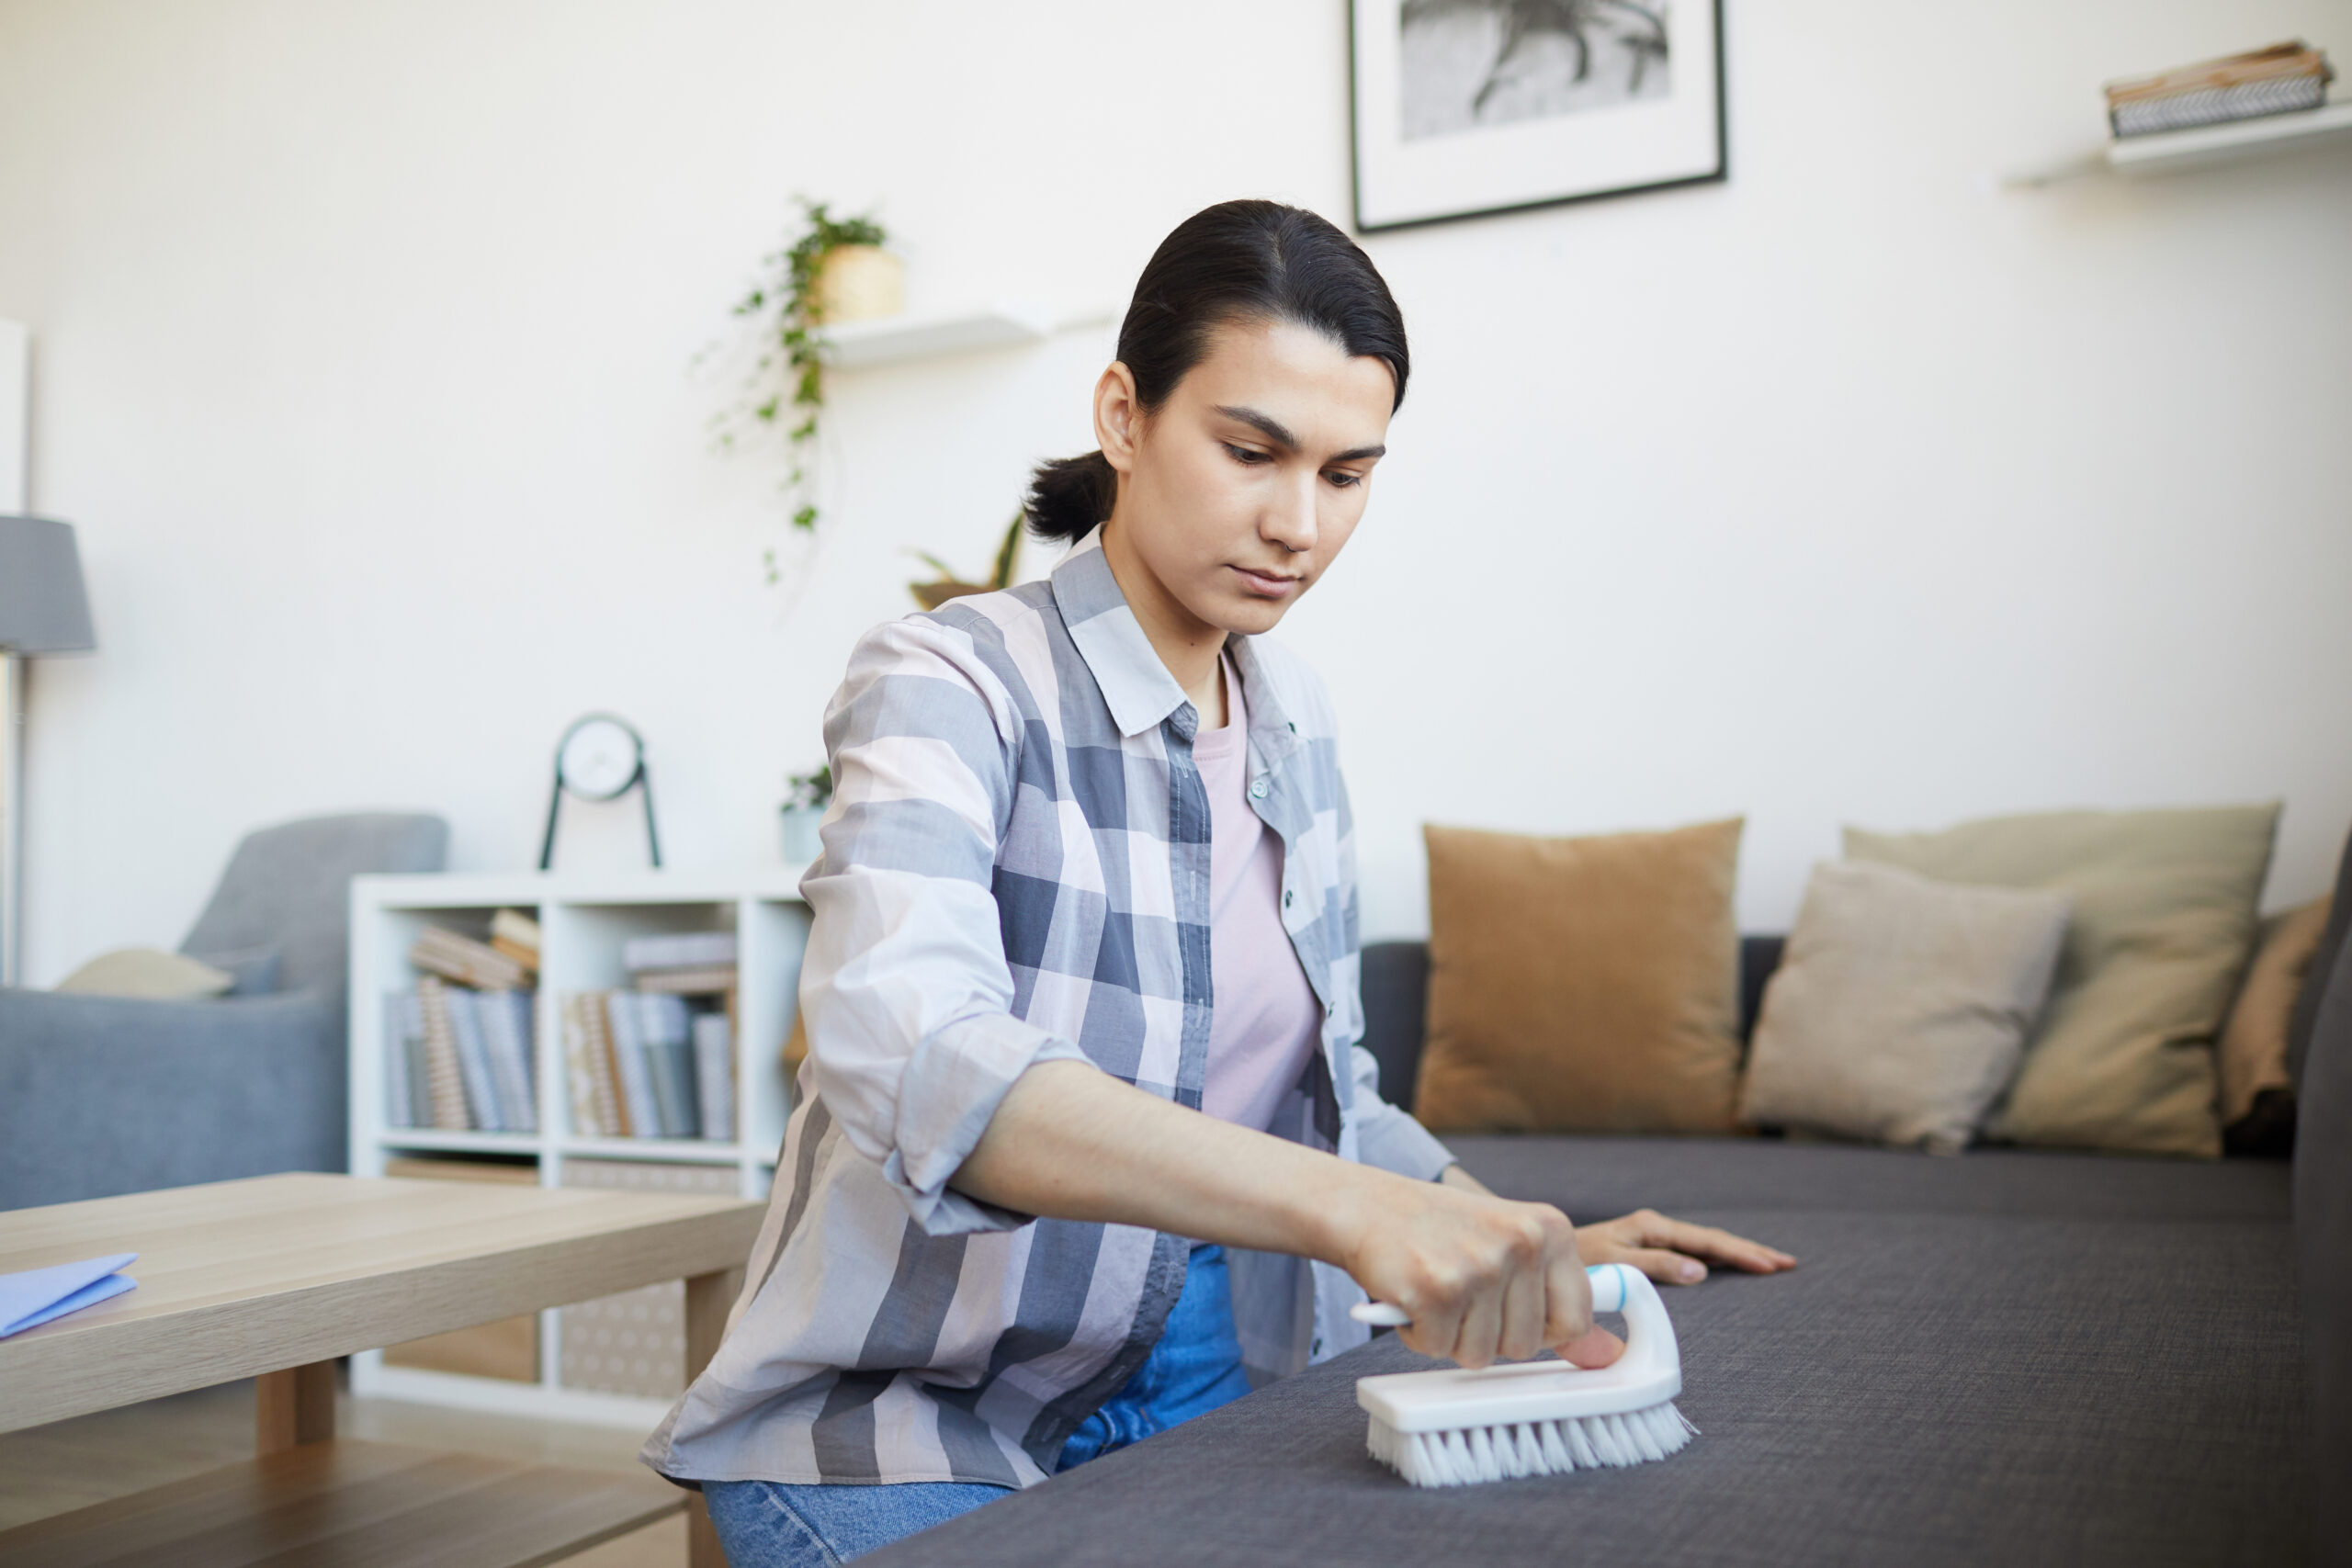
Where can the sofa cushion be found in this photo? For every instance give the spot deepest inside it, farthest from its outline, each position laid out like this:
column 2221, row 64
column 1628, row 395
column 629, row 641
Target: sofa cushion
column 1600, row 1178
column 1584, row 984
column 1939, row 1391
column 1902, row 1006
column 2164, row 922
column 2251, row 1054
column 150, row 973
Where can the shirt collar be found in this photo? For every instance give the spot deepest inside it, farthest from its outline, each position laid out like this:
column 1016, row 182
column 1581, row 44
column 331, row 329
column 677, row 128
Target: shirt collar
column 1136, row 686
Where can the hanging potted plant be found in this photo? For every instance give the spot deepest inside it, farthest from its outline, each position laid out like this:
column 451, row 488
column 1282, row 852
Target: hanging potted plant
column 834, row 270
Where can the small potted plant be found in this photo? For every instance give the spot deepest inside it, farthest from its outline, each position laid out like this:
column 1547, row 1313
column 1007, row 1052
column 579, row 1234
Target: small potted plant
column 805, row 798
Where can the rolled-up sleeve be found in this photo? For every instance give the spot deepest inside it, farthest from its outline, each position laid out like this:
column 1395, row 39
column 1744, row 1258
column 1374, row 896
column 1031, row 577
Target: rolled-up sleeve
column 905, row 989
column 1387, row 1136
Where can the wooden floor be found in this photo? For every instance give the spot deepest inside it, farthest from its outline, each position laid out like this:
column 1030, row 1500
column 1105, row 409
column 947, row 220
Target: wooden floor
column 49, row 1470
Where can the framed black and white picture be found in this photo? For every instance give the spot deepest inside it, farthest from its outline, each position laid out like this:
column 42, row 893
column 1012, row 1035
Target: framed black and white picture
column 1471, row 107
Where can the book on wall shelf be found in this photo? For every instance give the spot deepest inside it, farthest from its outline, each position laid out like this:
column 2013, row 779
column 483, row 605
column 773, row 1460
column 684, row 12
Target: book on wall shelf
column 2282, row 79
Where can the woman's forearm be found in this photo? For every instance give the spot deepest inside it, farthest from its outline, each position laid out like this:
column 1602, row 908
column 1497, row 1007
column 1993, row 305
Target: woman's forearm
column 1478, row 1275
column 1073, row 1143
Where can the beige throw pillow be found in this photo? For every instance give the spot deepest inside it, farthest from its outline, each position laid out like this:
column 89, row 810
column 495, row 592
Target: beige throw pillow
column 1582, row 984
column 149, row 972
column 2253, row 1050
column 2164, row 922
column 1901, row 1007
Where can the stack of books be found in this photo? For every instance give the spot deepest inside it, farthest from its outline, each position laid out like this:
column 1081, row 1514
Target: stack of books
column 459, row 1048
column 657, row 1060
column 683, row 963
column 2278, row 80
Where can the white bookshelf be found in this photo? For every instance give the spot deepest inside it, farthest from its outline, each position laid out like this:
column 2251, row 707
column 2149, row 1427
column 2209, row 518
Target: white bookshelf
column 584, row 921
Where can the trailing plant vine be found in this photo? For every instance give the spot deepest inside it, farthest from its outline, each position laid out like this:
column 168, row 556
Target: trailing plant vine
column 785, row 389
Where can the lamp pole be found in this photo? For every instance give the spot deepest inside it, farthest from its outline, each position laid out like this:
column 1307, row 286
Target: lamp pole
column 43, row 609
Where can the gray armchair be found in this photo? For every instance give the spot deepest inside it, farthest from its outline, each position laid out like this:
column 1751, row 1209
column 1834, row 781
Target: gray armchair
column 100, row 1095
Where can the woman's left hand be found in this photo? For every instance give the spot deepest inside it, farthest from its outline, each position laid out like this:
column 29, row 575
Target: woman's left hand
column 1671, row 1252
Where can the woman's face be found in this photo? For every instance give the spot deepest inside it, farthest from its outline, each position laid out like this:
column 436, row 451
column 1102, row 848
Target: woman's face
column 1238, row 491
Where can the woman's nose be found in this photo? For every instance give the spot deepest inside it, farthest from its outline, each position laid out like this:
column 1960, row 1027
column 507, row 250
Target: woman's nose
column 1290, row 520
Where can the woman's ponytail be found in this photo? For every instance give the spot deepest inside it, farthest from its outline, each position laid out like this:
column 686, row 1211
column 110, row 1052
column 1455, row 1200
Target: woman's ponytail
column 1070, row 495
column 1238, row 261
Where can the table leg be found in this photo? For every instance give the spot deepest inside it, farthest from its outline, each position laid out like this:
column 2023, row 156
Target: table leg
column 709, row 1297
column 294, row 1406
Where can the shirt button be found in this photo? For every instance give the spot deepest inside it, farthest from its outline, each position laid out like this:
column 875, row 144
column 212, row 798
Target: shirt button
column 1285, row 897
column 1257, row 788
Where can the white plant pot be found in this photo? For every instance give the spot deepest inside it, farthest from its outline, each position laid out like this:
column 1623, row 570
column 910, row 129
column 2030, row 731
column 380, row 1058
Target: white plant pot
column 858, row 282
column 801, row 845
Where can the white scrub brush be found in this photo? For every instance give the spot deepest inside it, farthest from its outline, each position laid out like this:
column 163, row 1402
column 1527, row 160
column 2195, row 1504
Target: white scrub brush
column 1452, row 1426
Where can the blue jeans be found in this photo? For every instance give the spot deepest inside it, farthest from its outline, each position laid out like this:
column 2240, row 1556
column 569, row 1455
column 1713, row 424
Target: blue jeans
column 1196, row 1367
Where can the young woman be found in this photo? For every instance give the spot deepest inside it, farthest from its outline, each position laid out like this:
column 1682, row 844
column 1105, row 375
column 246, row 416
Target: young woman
column 1085, row 1143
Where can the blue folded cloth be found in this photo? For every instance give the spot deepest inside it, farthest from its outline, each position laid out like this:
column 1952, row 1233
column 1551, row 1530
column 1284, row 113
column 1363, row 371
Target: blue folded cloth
column 37, row 1295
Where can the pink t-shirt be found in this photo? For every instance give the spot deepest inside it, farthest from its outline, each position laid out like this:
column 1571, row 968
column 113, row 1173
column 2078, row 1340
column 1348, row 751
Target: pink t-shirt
column 1265, row 1017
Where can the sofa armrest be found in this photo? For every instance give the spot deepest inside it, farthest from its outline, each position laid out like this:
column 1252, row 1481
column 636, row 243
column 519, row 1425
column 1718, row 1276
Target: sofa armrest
column 101, row 1095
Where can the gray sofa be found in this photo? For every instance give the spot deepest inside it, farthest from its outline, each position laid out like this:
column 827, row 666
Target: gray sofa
column 101, row 1095
column 2008, row 1357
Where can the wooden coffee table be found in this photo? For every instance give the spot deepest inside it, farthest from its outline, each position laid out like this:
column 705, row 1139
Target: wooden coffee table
column 273, row 1278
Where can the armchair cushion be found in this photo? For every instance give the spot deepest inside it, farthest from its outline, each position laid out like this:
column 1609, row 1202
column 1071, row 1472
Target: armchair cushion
column 148, row 972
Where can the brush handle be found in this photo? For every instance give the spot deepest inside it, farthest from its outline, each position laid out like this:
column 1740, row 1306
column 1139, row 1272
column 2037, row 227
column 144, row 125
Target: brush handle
column 1612, row 1285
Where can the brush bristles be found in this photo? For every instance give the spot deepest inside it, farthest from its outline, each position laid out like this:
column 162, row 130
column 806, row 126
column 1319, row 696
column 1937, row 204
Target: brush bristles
column 1469, row 1454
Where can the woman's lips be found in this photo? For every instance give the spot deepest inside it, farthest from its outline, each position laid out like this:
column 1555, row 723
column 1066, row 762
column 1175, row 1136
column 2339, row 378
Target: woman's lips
column 1265, row 584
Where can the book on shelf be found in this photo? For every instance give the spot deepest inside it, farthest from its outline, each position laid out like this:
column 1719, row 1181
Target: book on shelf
column 648, row 1065
column 459, row 1060
column 715, row 1075
column 517, row 935
column 2282, row 79
column 445, row 1084
column 699, row 980
column 679, row 949
column 452, row 956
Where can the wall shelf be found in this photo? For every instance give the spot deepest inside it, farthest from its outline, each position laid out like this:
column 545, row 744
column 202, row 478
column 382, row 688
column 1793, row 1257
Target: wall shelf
column 2175, row 152
column 857, row 345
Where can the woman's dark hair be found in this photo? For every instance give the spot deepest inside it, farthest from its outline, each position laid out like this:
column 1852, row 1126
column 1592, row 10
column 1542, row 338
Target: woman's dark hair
column 1238, row 261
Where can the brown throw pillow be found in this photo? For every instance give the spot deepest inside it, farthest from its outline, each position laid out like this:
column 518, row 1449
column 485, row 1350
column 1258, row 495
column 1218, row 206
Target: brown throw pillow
column 2252, row 1047
column 1582, row 984
column 2164, row 922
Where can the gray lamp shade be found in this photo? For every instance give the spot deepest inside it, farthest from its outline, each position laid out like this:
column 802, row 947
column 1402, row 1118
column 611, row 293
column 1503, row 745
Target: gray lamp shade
column 43, row 606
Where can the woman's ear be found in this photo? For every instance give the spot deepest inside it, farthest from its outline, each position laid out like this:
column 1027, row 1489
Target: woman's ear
column 1118, row 416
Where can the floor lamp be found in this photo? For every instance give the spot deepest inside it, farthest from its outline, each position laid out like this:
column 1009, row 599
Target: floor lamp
column 42, row 610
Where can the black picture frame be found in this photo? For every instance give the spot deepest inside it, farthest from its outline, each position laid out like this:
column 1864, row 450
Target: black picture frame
column 1377, row 217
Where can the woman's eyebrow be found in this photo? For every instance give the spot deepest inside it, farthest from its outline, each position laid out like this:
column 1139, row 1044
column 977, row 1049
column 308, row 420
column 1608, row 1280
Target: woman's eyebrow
column 1278, row 434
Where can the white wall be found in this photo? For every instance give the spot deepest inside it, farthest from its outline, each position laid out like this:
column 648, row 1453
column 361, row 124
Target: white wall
column 1853, row 490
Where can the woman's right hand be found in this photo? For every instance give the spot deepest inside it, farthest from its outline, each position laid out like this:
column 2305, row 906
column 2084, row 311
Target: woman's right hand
column 1484, row 1278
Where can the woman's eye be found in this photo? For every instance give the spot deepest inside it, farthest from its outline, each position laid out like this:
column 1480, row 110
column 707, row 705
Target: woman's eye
column 1340, row 478
column 1246, row 455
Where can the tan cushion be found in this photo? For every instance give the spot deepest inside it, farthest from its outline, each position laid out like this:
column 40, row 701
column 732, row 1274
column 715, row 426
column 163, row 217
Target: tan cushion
column 148, row 972
column 1582, row 984
column 2164, row 922
column 1901, row 1007
column 2253, row 1048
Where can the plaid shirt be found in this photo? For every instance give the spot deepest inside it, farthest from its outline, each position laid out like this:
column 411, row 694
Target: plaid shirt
column 1016, row 870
